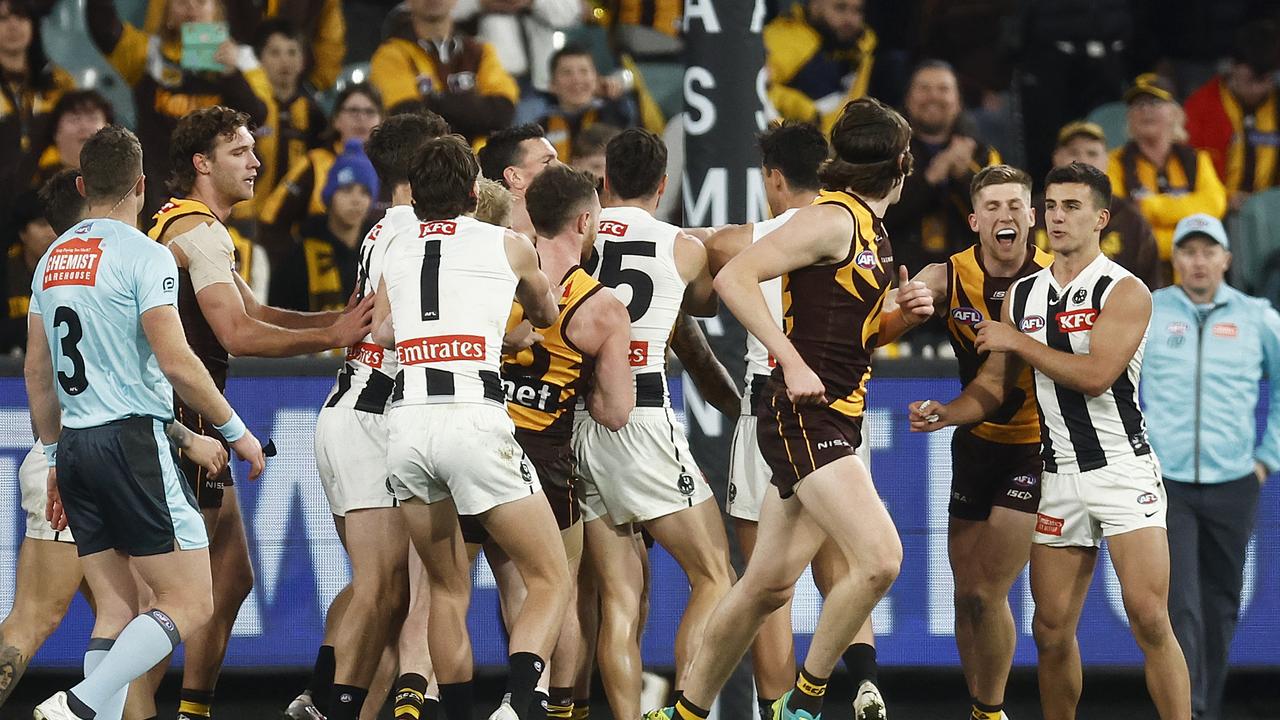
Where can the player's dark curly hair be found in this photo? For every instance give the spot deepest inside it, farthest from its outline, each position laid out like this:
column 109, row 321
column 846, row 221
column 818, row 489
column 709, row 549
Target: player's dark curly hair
column 443, row 178
column 392, row 144
column 557, row 196
column 796, row 150
column 502, row 150
column 871, row 142
column 1083, row 174
column 635, row 163
column 197, row 133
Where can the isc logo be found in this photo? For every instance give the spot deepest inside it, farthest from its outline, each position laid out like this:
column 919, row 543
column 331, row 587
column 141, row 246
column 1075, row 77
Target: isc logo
column 1031, row 323
column 1076, row 320
column 611, row 227
column 437, row 227
column 966, row 316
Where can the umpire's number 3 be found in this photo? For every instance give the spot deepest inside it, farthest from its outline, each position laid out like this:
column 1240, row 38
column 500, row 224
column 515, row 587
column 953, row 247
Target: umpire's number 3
column 76, row 382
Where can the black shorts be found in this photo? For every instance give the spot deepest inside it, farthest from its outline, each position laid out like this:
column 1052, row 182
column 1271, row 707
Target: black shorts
column 985, row 474
column 208, row 488
column 123, row 491
column 556, row 466
column 796, row 440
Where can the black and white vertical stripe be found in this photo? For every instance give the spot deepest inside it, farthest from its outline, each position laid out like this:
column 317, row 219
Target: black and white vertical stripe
column 1079, row 432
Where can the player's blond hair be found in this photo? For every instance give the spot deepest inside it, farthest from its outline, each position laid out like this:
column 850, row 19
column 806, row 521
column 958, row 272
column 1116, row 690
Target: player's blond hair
column 493, row 204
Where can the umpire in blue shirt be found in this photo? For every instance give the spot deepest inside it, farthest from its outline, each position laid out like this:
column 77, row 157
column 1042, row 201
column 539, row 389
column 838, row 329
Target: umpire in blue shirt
column 1208, row 348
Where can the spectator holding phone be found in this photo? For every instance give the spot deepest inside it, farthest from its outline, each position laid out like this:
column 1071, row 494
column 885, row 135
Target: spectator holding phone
column 174, row 72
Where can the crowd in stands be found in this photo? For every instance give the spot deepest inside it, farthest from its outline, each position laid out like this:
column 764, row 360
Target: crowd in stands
column 980, row 81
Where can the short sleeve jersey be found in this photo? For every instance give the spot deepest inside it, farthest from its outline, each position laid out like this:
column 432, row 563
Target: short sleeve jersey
column 91, row 289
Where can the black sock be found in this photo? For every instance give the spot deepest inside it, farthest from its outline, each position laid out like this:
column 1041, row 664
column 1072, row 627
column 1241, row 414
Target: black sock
column 581, row 708
column 322, row 678
column 538, row 706
column 766, row 708
column 860, row 660
column 195, row 703
column 78, row 707
column 686, row 710
column 982, row 711
column 808, row 693
column 345, row 702
column 411, row 689
column 526, row 669
column 430, row 709
column 457, row 699
column 560, row 703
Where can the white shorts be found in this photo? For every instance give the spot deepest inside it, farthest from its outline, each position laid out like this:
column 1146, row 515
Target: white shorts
column 33, row 478
column 467, row 451
column 1079, row 509
column 351, row 457
column 750, row 477
column 640, row 473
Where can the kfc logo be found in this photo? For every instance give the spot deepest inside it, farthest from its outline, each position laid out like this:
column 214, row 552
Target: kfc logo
column 612, row 227
column 1076, row 320
column 437, row 227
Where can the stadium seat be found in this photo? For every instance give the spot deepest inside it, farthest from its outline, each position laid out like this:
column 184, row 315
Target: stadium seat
column 1112, row 118
column 595, row 39
column 1255, row 240
column 67, row 43
column 351, row 74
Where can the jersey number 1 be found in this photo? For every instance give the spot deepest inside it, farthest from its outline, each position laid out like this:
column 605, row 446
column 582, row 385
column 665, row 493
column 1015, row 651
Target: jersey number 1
column 430, row 281
column 77, row 382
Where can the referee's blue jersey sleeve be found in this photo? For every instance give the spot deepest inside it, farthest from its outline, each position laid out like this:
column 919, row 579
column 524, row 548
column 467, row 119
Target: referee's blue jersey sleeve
column 155, row 278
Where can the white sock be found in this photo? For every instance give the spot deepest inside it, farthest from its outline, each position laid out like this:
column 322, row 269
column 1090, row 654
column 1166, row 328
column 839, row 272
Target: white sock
column 93, row 657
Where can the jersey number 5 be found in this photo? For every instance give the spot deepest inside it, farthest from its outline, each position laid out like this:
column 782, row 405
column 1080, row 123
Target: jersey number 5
column 77, row 382
column 613, row 274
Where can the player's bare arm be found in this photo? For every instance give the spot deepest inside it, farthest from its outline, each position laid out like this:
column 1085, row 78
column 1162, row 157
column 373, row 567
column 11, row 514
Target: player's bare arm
column 291, row 319
column 46, row 414
column 691, row 262
column 533, row 290
column 725, row 244
column 707, row 372
column 383, row 330
column 602, row 329
column 981, row 397
column 816, row 235
column 913, row 302
column 1117, row 332
column 191, row 381
column 244, row 335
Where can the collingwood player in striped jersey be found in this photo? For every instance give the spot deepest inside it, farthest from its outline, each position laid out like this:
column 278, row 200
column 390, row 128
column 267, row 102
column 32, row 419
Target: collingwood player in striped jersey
column 445, row 296
column 995, row 465
column 1081, row 323
column 351, row 459
column 791, row 154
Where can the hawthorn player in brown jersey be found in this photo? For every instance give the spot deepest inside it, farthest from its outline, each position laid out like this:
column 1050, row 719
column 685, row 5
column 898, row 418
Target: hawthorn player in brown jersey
column 995, row 465
column 836, row 264
column 214, row 167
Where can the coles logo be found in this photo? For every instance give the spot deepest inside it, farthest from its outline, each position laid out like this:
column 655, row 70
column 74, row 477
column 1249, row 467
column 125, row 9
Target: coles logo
column 1031, row 323
column 437, row 227
column 366, row 353
column 866, row 260
column 442, row 348
column 966, row 315
column 1049, row 525
column 1148, row 498
column 1076, row 320
column 1228, row 330
column 639, row 355
column 74, row 262
column 613, row 227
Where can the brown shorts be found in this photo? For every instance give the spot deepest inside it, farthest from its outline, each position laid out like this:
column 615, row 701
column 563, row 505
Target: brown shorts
column 797, row 440
column 208, row 488
column 556, row 466
column 985, row 474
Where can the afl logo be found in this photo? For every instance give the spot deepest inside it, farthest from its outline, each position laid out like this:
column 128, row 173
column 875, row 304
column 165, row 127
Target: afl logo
column 866, row 260
column 966, row 316
column 1031, row 323
column 1025, row 481
column 1148, row 498
column 610, row 227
